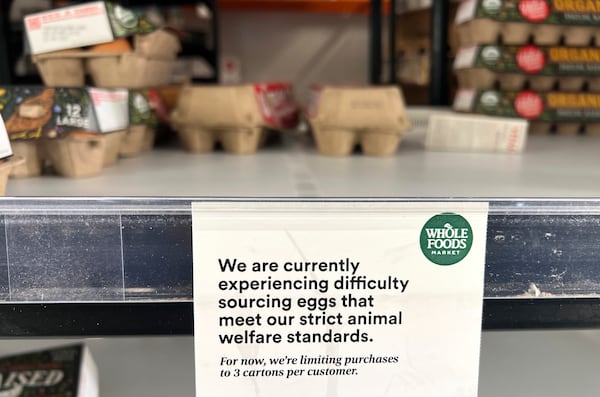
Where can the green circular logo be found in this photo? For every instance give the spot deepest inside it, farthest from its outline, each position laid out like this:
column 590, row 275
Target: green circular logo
column 446, row 239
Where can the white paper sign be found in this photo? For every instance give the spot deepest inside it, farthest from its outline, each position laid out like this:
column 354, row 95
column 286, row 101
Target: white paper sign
column 338, row 299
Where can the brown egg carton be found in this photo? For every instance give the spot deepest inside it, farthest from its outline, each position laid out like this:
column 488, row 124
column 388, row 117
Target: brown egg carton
column 564, row 128
column 485, row 31
column 236, row 116
column 6, row 167
column 81, row 154
column 137, row 139
column 483, row 79
column 235, row 140
column 149, row 64
column 542, row 22
column 373, row 118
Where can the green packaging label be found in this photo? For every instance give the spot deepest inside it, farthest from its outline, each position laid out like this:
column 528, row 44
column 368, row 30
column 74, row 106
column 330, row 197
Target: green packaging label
column 140, row 108
column 567, row 12
column 550, row 106
column 126, row 22
column 538, row 60
column 38, row 112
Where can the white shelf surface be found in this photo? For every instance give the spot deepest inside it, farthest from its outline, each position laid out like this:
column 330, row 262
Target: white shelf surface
column 551, row 166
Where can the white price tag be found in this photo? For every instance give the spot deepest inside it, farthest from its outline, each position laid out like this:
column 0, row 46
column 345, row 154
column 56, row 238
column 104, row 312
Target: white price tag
column 338, row 298
column 111, row 108
column 68, row 27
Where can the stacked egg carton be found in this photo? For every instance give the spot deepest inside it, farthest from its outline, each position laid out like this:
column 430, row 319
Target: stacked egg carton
column 72, row 129
column 534, row 59
column 122, row 55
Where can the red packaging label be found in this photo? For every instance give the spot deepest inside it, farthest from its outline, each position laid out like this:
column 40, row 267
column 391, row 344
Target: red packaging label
column 277, row 105
column 531, row 59
column 158, row 105
column 529, row 105
column 99, row 97
column 534, row 10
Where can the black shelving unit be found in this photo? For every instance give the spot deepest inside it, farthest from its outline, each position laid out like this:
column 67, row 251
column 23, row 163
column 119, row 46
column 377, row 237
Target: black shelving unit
column 438, row 86
column 438, row 73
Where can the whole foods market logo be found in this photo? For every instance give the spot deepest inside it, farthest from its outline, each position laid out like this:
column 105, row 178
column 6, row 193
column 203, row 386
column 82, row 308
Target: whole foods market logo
column 446, row 239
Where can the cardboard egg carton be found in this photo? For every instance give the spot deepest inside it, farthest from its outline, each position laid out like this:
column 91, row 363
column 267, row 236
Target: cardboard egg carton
column 148, row 64
column 560, row 112
column 543, row 22
column 77, row 130
column 373, row 118
column 143, row 119
column 235, row 116
column 541, row 68
column 8, row 160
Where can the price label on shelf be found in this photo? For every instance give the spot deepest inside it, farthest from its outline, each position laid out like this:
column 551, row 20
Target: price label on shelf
column 338, row 298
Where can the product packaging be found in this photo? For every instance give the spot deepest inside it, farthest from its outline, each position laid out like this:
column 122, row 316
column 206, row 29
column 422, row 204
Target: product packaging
column 448, row 131
column 540, row 68
column 544, row 22
column 148, row 63
column 116, row 47
column 67, row 371
column 565, row 113
column 143, row 120
column 82, row 25
column 237, row 116
column 343, row 117
column 72, row 128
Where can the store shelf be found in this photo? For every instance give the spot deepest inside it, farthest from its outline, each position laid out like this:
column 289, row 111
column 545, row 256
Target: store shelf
column 124, row 266
column 552, row 166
